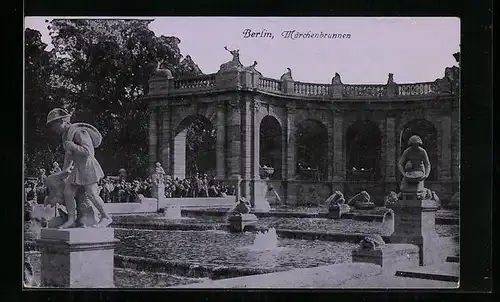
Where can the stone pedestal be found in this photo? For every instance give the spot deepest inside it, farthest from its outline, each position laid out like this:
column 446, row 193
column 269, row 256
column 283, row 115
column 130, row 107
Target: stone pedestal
column 77, row 257
column 336, row 211
column 157, row 190
column 415, row 223
column 387, row 227
column 390, row 256
column 261, row 203
column 237, row 223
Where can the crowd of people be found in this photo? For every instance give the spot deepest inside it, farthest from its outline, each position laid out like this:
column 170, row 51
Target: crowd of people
column 117, row 189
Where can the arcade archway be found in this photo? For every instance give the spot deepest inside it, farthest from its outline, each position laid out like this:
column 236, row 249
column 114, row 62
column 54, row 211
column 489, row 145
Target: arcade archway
column 270, row 153
column 312, row 150
column 194, row 147
column 363, row 141
column 428, row 134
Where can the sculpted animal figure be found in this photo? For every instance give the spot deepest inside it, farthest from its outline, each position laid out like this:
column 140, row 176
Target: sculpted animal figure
column 372, row 242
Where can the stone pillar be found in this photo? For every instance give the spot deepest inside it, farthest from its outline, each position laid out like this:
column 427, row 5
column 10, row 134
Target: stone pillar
column 291, row 154
column 166, row 140
column 390, row 153
column 153, row 138
column 221, row 141
column 247, row 136
column 234, row 137
column 455, row 145
column 415, row 223
column 289, row 157
column 338, row 148
column 180, row 155
column 77, row 257
column 445, row 160
column 331, row 151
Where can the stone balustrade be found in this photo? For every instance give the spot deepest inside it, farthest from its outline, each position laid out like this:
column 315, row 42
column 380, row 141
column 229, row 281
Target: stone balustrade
column 244, row 80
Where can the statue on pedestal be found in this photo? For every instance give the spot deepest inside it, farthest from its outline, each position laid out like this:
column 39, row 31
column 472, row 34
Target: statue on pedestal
column 242, row 207
column 234, row 64
column 414, row 166
column 158, row 176
column 336, row 79
column 81, row 171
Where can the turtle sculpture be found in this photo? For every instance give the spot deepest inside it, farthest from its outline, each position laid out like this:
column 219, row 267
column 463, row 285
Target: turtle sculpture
column 361, row 201
column 372, row 242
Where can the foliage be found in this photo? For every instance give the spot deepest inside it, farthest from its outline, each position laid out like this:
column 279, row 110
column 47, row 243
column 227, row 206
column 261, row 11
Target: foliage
column 200, row 148
column 41, row 148
column 100, row 69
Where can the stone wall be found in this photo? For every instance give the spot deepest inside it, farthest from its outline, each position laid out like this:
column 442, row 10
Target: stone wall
column 236, row 102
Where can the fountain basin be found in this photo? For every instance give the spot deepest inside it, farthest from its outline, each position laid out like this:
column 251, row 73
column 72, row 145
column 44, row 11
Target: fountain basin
column 229, row 249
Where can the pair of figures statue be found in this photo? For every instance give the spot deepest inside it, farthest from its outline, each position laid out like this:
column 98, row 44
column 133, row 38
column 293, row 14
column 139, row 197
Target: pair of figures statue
column 76, row 183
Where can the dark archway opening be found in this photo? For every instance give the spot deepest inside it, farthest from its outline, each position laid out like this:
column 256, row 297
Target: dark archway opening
column 270, row 153
column 198, row 136
column 428, row 134
column 363, row 142
column 312, row 150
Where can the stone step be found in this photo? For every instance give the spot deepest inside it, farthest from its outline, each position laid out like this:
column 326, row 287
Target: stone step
column 448, row 272
column 454, row 259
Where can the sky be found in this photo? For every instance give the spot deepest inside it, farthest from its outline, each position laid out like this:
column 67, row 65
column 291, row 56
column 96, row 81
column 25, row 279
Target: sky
column 413, row 49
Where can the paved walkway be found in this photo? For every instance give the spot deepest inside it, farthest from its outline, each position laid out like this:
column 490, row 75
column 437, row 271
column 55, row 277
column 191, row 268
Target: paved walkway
column 350, row 275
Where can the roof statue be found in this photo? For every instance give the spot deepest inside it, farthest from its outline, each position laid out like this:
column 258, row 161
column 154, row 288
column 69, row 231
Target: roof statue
column 234, row 64
column 162, row 72
column 287, row 76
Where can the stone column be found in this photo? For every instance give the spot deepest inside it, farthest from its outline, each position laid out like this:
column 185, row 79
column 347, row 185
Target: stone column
column 153, row 139
column 221, row 141
column 179, row 168
column 338, row 148
column 247, row 135
column 234, row 137
column 77, row 257
column 390, row 152
column 291, row 142
column 166, row 138
column 331, row 144
column 445, row 165
column 290, row 156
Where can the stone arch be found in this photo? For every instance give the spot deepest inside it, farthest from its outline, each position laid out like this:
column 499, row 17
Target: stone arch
column 199, row 156
column 312, row 150
column 428, row 133
column 363, row 150
column 270, row 145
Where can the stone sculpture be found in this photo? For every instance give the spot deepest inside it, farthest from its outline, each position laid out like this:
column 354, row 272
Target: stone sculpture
column 372, row 242
column 390, row 79
column 287, row 76
column 80, row 165
column 414, row 166
column 162, row 72
column 243, row 207
column 390, row 199
column 55, row 168
column 158, row 174
column 336, row 79
column 234, row 64
column 361, row 201
column 336, row 205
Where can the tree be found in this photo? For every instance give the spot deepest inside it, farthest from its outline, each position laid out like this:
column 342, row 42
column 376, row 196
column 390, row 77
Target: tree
column 41, row 147
column 103, row 68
